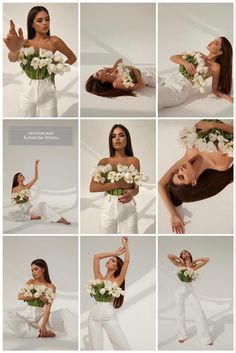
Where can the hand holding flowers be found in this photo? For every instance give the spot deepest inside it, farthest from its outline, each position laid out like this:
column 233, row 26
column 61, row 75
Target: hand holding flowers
column 20, row 197
column 40, row 294
column 187, row 274
column 104, row 291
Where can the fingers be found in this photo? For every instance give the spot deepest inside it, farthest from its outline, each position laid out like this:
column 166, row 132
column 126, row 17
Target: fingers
column 12, row 28
column 20, row 32
column 178, row 228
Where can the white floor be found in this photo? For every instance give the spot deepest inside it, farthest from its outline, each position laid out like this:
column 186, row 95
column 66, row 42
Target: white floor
column 200, row 105
column 144, row 105
column 66, row 87
column 210, row 216
column 146, row 205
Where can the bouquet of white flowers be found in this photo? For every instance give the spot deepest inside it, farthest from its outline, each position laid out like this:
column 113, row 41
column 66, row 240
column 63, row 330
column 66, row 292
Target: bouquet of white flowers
column 104, row 291
column 209, row 141
column 35, row 291
column 42, row 64
column 20, row 197
column 105, row 174
column 201, row 70
column 127, row 74
column 187, row 274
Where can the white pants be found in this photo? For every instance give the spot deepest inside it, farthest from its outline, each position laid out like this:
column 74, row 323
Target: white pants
column 118, row 217
column 37, row 96
column 182, row 293
column 149, row 76
column 173, row 90
column 24, row 211
column 26, row 323
column 102, row 315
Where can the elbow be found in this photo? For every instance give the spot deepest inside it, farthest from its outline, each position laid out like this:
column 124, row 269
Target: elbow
column 73, row 60
column 207, row 259
column 171, row 58
column 91, row 188
column 169, row 256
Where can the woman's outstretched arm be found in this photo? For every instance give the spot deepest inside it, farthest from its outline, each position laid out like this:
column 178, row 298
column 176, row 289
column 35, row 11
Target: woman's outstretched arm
column 120, row 279
column 100, row 256
column 198, row 263
column 14, row 42
column 176, row 221
column 208, row 125
column 177, row 261
column 35, row 178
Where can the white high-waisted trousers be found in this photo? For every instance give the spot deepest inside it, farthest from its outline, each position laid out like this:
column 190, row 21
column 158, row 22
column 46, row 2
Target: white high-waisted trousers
column 173, row 90
column 103, row 315
column 118, row 217
column 37, row 96
column 26, row 323
column 24, row 211
column 149, row 76
column 184, row 291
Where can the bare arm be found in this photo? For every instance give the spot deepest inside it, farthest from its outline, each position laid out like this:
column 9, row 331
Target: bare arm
column 98, row 257
column 200, row 263
column 177, row 261
column 35, row 178
column 130, row 193
column 14, row 42
column 64, row 49
column 205, row 126
column 120, row 279
column 21, row 296
column 178, row 59
column 215, row 86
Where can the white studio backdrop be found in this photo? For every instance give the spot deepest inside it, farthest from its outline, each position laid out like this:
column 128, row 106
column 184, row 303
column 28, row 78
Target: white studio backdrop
column 214, row 289
column 200, row 217
column 137, row 316
column 63, row 24
column 58, row 172
column 95, row 146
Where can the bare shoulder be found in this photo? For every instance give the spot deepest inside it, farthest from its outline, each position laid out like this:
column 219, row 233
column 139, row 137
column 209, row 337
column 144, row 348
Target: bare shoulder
column 51, row 285
column 30, row 281
column 103, row 161
column 55, row 39
column 134, row 160
column 215, row 68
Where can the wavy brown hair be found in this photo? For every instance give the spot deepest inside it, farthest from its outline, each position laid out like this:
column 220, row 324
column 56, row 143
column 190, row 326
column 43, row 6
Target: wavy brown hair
column 117, row 302
column 15, row 181
column 225, row 61
column 105, row 89
column 30, row 19
column 42, row 263
column 128, row 147
column 190, row 255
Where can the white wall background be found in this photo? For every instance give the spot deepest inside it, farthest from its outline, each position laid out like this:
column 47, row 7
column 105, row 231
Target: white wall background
column 95, row 146
column 64, row 24
column 58, row 167
column 190, row 27
column 200, row 217
column 214, row 289
column 111, row 31
column 137, row 315
column 61, row 255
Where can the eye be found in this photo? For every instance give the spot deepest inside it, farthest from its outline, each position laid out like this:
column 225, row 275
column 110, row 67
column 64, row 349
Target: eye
column 180, row 177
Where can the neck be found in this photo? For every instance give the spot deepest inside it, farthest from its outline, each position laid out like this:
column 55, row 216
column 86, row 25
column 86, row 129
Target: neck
column 212, row 57
column 40, row 36
column 199, row 165
column 110, row 275
column 188, row 262
column 21, row 183
column 120, row 153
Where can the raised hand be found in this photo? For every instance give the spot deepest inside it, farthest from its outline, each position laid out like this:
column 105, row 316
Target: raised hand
column 119, row 251
column 14, row 41
column 125, row 240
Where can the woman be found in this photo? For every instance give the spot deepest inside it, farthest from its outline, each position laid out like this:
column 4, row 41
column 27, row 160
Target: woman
column 102, row 314
column 37, row 320
column 25, row 210
column 37, row 94
column 120, row 80
column 176, row 89
column 197, row 175
column 118, row 211
column 185, row 262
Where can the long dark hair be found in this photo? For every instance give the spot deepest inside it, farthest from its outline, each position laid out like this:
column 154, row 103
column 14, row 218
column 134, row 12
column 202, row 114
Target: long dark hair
column 30, row 19
column 225, row 61
column 210, row 183
column 105, row 89
column 15, row 181
column 41, row 263
column 128, row 147
column 181, row 256
column 117, row 302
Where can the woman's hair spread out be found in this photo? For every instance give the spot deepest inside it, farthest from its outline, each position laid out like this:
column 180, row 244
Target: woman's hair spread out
column 181, row 256
column 225, row 61
column 128, row 147
column 41, row 263
column 30, row 19
column 210, row 183
column 117, row 302
column 105, row 89
column 15, row 181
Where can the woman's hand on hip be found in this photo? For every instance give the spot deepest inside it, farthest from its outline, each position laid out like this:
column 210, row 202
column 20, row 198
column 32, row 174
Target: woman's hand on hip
column 177, row 224
column 14, row 41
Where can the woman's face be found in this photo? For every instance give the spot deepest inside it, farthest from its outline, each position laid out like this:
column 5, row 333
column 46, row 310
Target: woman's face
column 37, row 272
column 112, row 264
column 20, row 177
column 185, row 255
column 119, row 139
column 185, row 175
column 214, row 47
column 41, row 22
